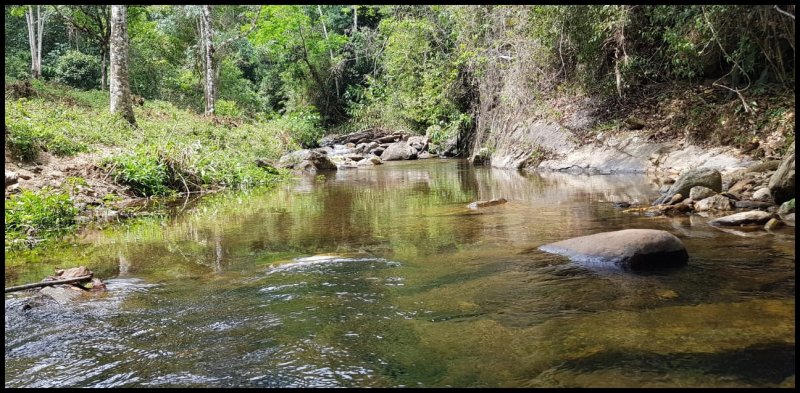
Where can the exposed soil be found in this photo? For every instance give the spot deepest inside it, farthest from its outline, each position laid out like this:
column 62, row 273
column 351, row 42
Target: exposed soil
column 95, row 194
column 699, row 114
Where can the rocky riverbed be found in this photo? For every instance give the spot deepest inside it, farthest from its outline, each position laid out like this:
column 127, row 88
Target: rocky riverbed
column 362, row 149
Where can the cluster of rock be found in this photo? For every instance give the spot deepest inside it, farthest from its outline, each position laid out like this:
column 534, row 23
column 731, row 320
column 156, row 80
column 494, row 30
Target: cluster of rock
column 365, row 148
column 765, row 190
column 77, row 281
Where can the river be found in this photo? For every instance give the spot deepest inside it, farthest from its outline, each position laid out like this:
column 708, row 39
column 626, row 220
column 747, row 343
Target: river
column 381, row 277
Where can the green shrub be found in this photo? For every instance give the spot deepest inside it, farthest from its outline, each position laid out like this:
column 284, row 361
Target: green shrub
column 22, row 141
column 141, row 171
column 45, row 212
column 303, row 126
column 78, row 69
column 227, row 108
column 29, row 132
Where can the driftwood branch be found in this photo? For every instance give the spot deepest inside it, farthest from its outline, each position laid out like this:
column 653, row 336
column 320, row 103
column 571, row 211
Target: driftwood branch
column 48, row 283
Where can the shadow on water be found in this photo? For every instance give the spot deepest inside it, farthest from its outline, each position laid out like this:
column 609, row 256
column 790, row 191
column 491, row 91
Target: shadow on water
column 763, row 364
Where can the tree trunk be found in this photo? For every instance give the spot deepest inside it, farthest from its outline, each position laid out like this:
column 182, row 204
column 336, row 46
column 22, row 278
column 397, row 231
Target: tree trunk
column 103, row 69
column 40, row 35
column 206, row 36
column 35, row 30
column 119, row 85
column 355, row 19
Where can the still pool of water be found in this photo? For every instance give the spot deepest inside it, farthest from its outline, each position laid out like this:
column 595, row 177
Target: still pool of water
column 382, row 277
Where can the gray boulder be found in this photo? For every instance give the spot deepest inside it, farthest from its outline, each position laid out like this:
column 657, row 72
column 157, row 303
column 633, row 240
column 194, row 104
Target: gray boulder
column 753, row 217
column 786, row 207
column 788, row 219
column 399, row 151
column 762, row 194
column 447, row 148
column 370, row 161
column 419, row 143
column 710, row 178
column 715, row 202
column 698, row 193
column 11, row 178
column 628, row 249
column 781, row 184
column 307, row 161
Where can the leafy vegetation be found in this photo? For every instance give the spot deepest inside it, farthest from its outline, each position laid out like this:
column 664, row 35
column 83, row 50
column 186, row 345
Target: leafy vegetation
column 77, row 69
column 45, row 213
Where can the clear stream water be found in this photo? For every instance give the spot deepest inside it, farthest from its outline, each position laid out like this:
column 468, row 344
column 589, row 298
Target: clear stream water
column 382, row 277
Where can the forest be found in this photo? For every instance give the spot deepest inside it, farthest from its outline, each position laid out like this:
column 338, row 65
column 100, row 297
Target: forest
column 399, row 195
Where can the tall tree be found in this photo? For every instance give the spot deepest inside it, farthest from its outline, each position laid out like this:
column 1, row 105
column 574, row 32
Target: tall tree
column 212, row 54
column 207, row 46
column 120, row 87
column 93, row 20
column 35, row 33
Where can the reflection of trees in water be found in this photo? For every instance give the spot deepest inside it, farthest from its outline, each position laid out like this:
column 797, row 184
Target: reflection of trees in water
column 406, row 210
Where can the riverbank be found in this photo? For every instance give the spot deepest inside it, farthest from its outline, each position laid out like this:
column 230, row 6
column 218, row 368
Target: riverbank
column 63, row 149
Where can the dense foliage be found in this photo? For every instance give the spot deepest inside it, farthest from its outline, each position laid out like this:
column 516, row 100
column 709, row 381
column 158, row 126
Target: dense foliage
column 421, row 68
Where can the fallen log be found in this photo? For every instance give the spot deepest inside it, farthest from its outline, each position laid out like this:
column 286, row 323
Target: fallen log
column 48, row 283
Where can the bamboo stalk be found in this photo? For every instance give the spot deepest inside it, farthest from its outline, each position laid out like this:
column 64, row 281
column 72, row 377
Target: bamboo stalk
column 48, row 283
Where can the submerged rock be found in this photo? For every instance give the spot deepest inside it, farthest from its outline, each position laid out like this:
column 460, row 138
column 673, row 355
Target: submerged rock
column 754, row 217
column 629, row 249
column 493, row 202
column 773, row 223
column 370, row 161
column 62, row 294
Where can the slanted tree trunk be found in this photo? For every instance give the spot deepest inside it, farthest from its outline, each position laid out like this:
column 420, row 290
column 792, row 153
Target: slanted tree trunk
column 35, row 33
column 119, row 85
column 206, row 36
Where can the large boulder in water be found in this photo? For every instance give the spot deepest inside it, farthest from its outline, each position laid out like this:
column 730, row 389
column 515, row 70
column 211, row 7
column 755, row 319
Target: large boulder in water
column 309, row 161
column 629, row 249
column 399, row 151
column 710, row 178
column 781, row 184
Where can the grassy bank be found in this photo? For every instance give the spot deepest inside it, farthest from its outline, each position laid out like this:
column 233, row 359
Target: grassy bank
column 171, row 151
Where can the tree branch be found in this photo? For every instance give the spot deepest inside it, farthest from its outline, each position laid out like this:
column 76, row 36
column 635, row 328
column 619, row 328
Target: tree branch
column 783, row 12
column 252, row 27
column 48, row 283
column 735, row 63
